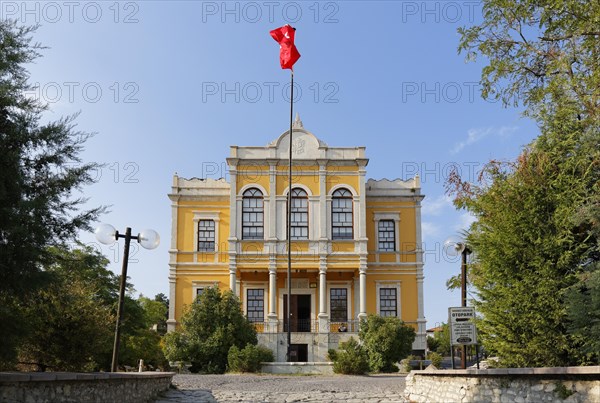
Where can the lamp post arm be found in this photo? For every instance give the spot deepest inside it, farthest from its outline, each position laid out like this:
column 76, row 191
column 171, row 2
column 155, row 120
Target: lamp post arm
column 115, row 356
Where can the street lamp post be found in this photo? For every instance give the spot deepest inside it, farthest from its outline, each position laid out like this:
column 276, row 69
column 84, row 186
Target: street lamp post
column 107, row 234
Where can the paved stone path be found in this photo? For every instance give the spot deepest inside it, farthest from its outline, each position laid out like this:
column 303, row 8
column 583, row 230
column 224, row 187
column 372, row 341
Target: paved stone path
column 283, row 388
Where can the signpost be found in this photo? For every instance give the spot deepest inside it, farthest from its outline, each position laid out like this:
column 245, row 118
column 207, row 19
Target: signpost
column 462, row 329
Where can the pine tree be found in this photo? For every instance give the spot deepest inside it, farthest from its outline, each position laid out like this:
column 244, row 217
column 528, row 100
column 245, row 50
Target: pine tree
column 41, row 174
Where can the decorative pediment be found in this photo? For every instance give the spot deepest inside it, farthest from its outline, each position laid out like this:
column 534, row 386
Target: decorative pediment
column 305, row 146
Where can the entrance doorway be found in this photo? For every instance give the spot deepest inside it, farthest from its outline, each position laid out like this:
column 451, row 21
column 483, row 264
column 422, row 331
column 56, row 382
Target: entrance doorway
column 298, row 352
column 299, row 313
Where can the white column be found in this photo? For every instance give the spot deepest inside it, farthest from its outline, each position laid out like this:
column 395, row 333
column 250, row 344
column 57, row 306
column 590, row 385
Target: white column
column 323, row 314
column 272, row 293
column 233, row 224
column 421, row 340
column 173, row 251
column 322, row 292
column 232, row 280
column 362, row 304
column 171, row 322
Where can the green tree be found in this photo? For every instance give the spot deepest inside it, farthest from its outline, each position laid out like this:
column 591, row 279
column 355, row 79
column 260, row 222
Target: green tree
column 387, row 341
column 155, row 313
column 40, row 170
column 442, row 341
column 71, row 320
column 139, row 339
column 583, row 298
column 249, row 358
column 350, row 359
column 529, row 247
column 537, row 51
column 209, row 328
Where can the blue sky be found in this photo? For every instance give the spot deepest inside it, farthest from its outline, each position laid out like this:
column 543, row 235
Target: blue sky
column 168, row 86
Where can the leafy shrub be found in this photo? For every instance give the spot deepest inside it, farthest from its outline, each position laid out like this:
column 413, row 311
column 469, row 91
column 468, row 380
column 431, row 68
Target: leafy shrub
column 331, row 354
column 249, row 358
column 436, row 359
column 405, row 363
column 350, row 359
column 210, row 326
column 387, row 341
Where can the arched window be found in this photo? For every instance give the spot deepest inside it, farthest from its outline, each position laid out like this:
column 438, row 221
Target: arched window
column 252, row 214
column 341, row 214
column 299, row 214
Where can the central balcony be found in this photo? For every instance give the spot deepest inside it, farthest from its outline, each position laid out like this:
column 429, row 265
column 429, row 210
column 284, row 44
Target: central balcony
column 306, row 326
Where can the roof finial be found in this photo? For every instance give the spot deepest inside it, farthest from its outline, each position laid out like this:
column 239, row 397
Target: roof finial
column 298, row 123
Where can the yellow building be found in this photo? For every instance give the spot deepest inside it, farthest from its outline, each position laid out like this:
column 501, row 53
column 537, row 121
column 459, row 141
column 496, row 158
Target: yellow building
column 356, row 243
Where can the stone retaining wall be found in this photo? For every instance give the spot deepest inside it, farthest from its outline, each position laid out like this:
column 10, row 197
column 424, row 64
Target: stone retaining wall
column 17, row 387
column 569, row 384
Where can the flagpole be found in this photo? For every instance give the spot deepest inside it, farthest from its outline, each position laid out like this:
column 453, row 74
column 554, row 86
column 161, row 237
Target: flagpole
column 289, row 227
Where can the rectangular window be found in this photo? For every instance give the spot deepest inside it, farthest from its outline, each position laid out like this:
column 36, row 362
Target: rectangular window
column 199, row 291
column 387, row 236
column 388, row 303
column 341, row 218
column 299, row 214
column 255, row 305
column 206, row 236
column 339, row 304
column 252, row 218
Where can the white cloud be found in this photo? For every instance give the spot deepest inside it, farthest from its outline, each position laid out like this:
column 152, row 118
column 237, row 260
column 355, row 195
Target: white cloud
column 465, row 221
column 434, row 207
column 475, row 135
column 429, row 230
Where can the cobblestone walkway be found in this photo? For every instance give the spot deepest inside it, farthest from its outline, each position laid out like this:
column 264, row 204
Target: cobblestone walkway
column 282, row 388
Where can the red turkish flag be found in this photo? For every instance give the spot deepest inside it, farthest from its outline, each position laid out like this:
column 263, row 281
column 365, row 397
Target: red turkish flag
column 288, row 54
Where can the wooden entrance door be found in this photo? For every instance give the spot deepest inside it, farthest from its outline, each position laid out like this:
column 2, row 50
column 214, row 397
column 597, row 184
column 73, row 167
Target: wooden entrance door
column 300, row 313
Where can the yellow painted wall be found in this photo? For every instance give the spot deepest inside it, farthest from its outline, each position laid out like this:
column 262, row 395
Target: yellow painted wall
column 343, row 262
column 333, row 181
column 408, row 294
column 184, row 289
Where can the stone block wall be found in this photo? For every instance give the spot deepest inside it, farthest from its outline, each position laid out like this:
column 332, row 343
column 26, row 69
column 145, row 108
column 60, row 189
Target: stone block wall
column 17, row 387
column 569, row 384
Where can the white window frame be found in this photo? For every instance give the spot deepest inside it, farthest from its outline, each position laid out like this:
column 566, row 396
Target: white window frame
column 256, row 285
column 389, row 284
column 206, row 215
column 340, row 284
column 387, row 216
column 200, row 285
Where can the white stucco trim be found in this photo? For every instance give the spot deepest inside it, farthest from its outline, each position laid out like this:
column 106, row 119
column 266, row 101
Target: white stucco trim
column 253, row 185
column 340, row 186
column 299, row 186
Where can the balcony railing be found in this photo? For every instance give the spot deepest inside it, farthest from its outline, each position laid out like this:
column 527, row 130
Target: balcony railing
column 298, row 326
column 349, row 326
column 311, row 326
column 301, row 326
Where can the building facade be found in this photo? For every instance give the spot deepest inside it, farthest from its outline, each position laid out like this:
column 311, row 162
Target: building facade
column 356, row 243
